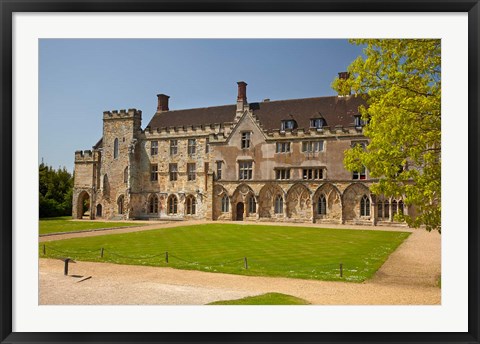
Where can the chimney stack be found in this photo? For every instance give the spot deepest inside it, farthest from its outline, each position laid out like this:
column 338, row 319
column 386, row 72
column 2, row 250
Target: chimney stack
column 162, row 102
column 242, row 96
column 343, row 75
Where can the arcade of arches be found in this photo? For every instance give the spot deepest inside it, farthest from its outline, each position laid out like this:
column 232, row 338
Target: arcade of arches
column 300, row 202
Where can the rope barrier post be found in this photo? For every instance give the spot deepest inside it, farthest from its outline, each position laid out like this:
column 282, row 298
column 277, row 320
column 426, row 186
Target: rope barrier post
column 166, row 257
column 341, row 270
column 66, row 261
column 101, row 253
column 246, row 263
column 43, row 249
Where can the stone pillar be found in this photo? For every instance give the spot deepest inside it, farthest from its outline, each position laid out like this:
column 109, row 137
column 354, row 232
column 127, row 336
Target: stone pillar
column 208, row 197
column 92, row 207
column 373, row 212
column 390, row 215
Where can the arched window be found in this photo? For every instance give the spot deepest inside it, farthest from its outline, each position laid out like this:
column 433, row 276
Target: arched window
column 365, row 206
column 279, row 204
column 120, row 204
column 115, row 148
column 386, row 208
column 191, row 205
column 125, row 175
column 252, row 204
column 225, row 204
column 172, row 204
column 401, row 208
column 380, row 209
column 322, row 205
column 153, row 204
column 394, row 207
column 106, row 186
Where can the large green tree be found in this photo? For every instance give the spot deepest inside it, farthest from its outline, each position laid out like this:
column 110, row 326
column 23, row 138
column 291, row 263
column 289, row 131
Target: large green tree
column 55, row 191
column 400, row 79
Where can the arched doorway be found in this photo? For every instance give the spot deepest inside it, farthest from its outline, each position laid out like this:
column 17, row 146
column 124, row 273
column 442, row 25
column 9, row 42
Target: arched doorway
column 120, row 205
column 240, row 209
column 99, row 210
column 83, row 205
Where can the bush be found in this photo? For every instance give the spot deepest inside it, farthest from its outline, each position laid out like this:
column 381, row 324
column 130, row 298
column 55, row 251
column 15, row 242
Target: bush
column 55, row 192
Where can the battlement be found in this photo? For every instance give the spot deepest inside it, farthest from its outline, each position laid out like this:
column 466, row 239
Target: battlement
column 190, row 130
column 85, row 156
column 324, row 132
column 122, row 114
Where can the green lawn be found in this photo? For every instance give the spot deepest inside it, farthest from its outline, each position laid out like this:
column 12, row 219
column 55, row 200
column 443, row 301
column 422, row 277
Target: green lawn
column 298, row 252
column 65, row 224
column 265, row 299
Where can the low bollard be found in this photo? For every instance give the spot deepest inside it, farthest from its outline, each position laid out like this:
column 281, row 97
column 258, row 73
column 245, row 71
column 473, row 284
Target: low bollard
column 341, row 269
column 66, row 261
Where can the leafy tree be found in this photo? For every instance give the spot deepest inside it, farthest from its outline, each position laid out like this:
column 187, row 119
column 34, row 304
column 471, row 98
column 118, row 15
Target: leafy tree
column 55, row 191
column 400, row 80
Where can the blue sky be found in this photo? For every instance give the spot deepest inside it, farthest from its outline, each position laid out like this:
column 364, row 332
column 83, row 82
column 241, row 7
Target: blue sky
column 81, row 78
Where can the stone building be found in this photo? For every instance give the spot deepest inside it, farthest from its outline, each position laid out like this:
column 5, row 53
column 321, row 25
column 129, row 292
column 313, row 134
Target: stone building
column 266, row 161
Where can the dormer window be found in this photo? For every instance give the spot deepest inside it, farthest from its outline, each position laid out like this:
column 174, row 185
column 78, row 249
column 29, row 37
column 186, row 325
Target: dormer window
column 288, row 124
column 317, row 123
column 359, row 122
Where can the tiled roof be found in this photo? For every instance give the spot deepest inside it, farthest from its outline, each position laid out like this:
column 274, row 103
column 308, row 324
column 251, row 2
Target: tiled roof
column 208, row 115
column 337, row 111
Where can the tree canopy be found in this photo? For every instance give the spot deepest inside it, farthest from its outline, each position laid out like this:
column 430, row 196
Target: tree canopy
column 400, row 79
column 55, row 191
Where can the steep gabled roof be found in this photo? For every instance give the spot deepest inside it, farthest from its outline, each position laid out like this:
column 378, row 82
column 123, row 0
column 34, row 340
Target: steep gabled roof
column 335, row 110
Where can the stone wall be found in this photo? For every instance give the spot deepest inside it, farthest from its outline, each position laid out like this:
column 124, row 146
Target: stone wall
column 106, row 179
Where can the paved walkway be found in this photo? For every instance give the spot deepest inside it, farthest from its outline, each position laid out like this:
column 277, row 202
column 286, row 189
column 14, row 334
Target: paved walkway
column 409, row 276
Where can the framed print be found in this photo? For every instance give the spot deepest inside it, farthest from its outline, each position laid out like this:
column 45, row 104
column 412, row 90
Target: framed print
column 308, row 199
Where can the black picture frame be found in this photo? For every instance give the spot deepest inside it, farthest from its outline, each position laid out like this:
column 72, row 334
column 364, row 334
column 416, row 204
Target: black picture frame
column 9, row 7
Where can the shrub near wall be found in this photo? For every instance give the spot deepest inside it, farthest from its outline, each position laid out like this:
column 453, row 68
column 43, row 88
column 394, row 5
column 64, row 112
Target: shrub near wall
column 55, row 192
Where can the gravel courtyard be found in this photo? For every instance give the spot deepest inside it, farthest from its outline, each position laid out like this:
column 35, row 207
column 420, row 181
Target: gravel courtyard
column 409, row 276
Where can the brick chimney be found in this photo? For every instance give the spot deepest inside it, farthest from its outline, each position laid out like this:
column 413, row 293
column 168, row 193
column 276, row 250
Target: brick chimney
column 162, row 102
column 343, row 75
column 242, row 96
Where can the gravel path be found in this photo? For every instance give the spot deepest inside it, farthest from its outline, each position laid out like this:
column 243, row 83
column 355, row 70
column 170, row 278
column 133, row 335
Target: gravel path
column 409, row 276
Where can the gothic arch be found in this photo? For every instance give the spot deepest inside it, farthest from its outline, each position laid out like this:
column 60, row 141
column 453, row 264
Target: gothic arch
column 153, row 204
column 351, row 199
column 218, row 193
column 299, row 202
column 121, row 205
column 190, row 205
column 333, row 198
column 241, row 195
column 266, row 198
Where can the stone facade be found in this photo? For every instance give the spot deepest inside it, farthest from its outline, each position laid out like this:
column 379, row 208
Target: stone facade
column 269, row 161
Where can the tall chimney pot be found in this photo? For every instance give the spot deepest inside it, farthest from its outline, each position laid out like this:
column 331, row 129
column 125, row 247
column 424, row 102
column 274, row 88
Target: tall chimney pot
column 242, row 91
column 162, row 102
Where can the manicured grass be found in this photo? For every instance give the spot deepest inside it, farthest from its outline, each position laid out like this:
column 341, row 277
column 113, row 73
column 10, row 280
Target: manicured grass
column 65, row 224
column 265, row 299
column 298, row 252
